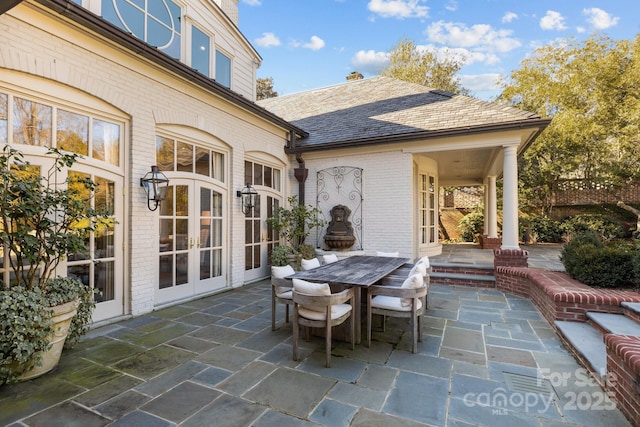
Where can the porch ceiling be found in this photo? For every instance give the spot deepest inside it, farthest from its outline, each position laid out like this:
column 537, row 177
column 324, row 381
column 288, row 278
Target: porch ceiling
column 466, row 167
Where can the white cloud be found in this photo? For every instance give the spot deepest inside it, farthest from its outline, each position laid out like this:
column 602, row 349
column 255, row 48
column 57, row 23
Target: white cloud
column 398, row 8
column 480, row 36
column 252, row 2
column 316, row 43
column 509, row 17
column 480, row 82
column 370, row 61
column 552, row 21
column 268, row 40
column 600, row 19
column 452, row 5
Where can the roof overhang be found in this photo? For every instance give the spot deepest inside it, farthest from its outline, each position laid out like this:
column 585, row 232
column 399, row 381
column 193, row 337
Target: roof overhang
column 465, row 156
column 536, row 126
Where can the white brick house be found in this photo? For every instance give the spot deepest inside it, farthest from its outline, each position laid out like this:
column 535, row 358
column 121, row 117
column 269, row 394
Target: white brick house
column 173, row 85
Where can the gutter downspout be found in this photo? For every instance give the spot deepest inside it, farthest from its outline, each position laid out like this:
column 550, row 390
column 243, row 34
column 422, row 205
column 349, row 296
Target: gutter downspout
column 301, row 173
column 8, row 4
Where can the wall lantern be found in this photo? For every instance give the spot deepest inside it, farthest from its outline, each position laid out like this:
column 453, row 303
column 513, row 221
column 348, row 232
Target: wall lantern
column 155, row 184
column 249, row 195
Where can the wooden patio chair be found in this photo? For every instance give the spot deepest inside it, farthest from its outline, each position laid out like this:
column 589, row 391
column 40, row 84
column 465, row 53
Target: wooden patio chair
column 405, row 301
column 314, row 306
column 281, row 291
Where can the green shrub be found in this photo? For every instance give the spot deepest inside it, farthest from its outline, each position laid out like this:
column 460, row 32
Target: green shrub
column 595, row 263
column 471, row 226
column 608, row 228
column 635, row 262
column 280, row 255
column 546, row 230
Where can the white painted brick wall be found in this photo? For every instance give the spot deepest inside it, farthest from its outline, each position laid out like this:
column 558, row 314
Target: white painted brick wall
column 387, row 191
column 38, row 46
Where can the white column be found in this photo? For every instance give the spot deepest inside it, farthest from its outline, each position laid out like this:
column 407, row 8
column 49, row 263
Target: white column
column 510, row 199
column 492, row 207
column 485, row 230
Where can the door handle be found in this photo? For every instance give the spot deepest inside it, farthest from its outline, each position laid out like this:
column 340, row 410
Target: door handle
column 190, row 242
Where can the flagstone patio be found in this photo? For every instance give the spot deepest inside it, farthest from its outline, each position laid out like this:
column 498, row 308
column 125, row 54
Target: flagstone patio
column 486, row 359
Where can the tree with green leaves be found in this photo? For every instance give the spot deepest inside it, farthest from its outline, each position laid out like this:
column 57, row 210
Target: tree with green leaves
column 264, row 89
column 592, row 91
column 410, row 63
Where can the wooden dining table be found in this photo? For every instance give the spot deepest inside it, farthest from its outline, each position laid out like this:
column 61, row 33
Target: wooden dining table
column 359, row 271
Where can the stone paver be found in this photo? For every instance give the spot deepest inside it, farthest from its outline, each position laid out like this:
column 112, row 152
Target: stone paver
column 215, row 361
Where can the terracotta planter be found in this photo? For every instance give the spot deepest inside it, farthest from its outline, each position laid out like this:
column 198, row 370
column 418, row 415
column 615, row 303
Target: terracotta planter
column 62, row 316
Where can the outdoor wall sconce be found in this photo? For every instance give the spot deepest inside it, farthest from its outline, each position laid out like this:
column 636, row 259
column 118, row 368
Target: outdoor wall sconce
column 248, row 195
column 155, row 184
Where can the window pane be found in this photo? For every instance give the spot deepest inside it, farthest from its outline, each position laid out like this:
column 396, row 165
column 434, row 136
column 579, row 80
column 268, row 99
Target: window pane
column 257, row 174
column 200, row 51
column 216, row 204
column 166, row 271
column 127, row 16
column 223, row 69
column 185, row 157
column 31, row 123
column 158, row 34
column 182, row 200
column 202, row 161
column 104, row 196
column 218, row 166
column 72, row 132
column 182, row 234
column 268, row 177
column 104, row 280
column 105, row 141
column 276, row 179
column 4, row 108
column 248, row 172
column 164, row 153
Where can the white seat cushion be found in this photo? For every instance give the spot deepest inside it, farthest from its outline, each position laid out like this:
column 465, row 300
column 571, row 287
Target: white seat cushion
column 287, row 294
column 328, row 259
column 308, row 264
column 311, row 288
column 414, row 281
column 337, row 310
column 424, row 260
column 420, row 268
column 388, row 254
column 391, row 303
column 280, row 272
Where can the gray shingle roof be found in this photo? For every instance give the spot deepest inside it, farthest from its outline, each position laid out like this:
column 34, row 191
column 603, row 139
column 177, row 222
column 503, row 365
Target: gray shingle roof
column 383, row 106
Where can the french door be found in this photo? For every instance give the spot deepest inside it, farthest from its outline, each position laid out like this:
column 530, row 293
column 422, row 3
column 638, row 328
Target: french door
column 259, row 238
column 192, row 232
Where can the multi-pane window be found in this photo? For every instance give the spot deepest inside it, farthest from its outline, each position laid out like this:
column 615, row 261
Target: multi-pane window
column 174, row 155
column 427, row 209
column 155, row 21
column 223, row 69
column 259, row 174
column 33, row 123
column 200, row 51
column 96, row 266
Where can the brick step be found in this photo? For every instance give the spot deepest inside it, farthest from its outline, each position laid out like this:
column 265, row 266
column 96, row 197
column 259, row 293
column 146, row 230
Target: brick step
column 586, row 343
column 631, row 309
column 619, row 324
column 475, row 275
column 460, row 268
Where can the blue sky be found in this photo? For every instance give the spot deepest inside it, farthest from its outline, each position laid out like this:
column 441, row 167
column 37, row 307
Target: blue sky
column 308, row 44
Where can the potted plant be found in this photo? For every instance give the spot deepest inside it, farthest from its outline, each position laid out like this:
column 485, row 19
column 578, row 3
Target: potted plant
column 43, row 221
column 294, row 225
